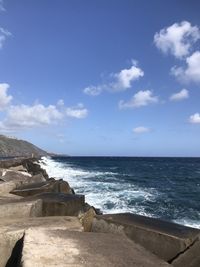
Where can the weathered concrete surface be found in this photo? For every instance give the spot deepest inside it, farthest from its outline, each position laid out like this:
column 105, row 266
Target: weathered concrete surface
column 6, row 187
column 60, row 204
column 10, row 175
column 164, row 239
column 46, row 204
column 51, row 185
column 8, row 241
column 55, row 222
column 190, row 258
column 19, row 168
column 64, row 248
column 12, row 208
column 86, row 219
column 12, row 230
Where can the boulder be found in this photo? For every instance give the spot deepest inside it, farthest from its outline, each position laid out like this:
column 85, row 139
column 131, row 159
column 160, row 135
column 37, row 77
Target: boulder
column 164, row 239
column 67, row 248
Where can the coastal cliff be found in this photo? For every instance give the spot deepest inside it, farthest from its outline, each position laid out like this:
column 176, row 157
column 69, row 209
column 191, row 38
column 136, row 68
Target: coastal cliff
column 43, row 222
column 13, row 147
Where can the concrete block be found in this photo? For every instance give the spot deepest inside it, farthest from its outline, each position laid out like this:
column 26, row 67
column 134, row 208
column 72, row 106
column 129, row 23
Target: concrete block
column 20, row 208
column 64, row 249
column 164, row 239
column 190, row 258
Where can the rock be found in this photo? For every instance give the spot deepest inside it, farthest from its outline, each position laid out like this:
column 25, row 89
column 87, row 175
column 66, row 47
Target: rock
column 51, row 185
column 164, row 239
column 65, row 248
column 190, row 258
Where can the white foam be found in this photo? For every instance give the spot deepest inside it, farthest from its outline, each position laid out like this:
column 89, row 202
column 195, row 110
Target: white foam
column 109, row 197
column 188, row 222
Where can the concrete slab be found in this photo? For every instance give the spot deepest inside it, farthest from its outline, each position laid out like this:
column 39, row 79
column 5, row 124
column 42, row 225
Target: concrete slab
column 13, row 208
column 64, row 248
column 60, row 204
column 164, row 239
column 12, row 230
column 53, row 222
column 51, row 185
column 190, row 258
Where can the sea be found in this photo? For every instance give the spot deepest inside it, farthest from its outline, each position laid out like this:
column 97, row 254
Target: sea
column 159, row 187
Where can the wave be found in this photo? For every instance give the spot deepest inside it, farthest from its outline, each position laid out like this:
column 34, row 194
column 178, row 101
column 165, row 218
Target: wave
column 106, row 191
column 110, row 197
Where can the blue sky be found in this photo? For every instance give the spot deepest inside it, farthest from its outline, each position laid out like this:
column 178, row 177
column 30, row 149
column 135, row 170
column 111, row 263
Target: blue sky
column 92, row 77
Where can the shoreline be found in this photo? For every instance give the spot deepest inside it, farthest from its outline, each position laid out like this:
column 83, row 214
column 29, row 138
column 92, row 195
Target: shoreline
column 31, row 201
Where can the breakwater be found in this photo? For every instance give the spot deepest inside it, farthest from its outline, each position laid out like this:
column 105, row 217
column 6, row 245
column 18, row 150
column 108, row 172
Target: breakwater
column 45, row 223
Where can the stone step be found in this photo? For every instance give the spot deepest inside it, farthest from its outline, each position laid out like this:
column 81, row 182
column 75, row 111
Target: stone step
column 64, row 248
column 164, row 239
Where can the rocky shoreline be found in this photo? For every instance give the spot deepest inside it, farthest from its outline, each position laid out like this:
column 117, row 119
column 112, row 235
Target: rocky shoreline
column 45, row 223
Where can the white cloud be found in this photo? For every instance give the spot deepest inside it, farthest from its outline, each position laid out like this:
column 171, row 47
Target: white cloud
column 5, row 99
column 24, row 116
column 141, row 129
column 141, row 98
column 3, row 36
column 78, row 112
column 183, row 94
column 93, row 90
column 195, row 118
column 125, row 77
column 177, row 39
column 191, row 73
column 121, row 81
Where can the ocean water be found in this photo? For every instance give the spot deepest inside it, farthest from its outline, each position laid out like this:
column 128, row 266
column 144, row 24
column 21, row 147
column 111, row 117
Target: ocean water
column 165, row 188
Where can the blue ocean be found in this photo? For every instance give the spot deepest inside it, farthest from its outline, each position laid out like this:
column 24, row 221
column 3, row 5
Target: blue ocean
column 165, row 188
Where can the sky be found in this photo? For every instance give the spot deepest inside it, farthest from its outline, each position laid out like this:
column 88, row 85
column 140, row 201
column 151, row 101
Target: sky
column 102, row 77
